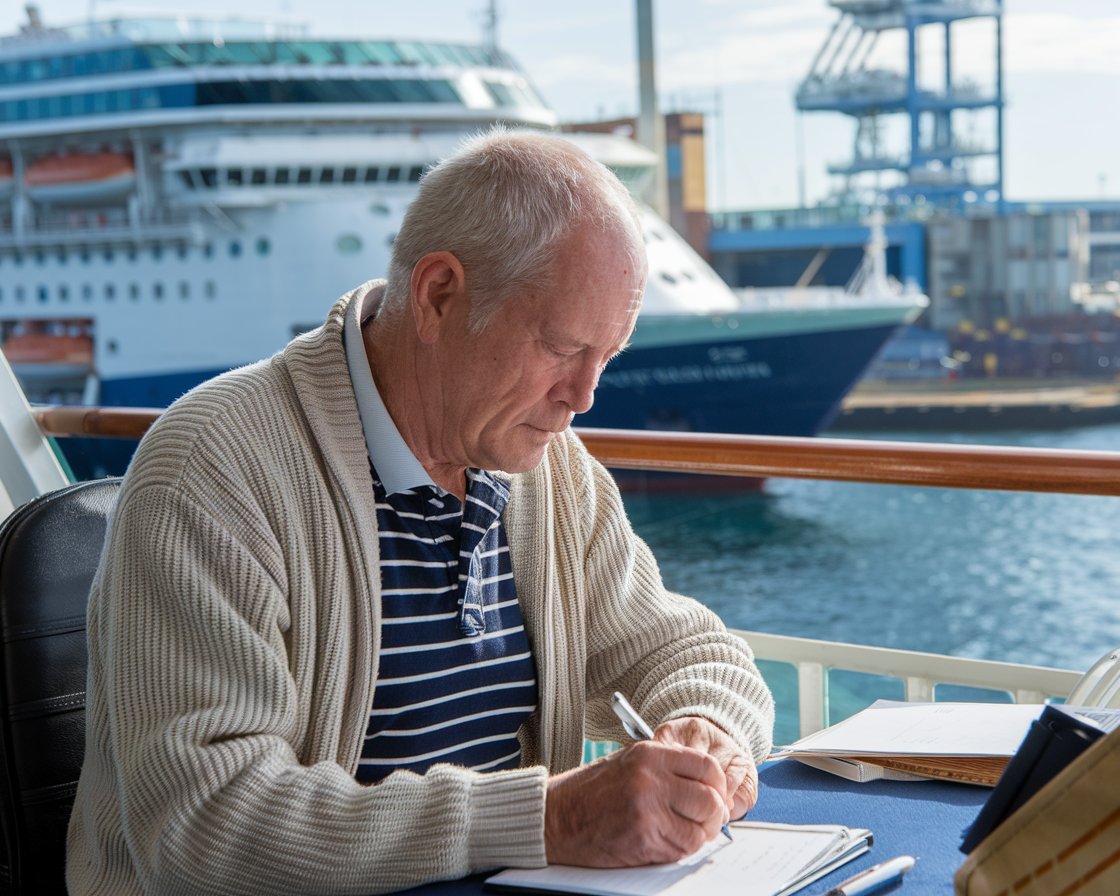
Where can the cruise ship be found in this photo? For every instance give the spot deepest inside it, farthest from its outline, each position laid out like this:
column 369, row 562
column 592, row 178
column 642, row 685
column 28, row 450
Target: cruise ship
column 179, row 197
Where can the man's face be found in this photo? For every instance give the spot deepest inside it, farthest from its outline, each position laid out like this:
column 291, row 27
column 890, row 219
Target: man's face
column 509, row 390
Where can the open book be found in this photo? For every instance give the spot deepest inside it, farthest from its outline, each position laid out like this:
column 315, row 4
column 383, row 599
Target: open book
column 969, row 742
column 763, row 860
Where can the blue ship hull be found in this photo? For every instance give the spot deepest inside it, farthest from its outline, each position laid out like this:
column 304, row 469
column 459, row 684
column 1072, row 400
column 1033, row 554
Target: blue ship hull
column 776, row 385
column 779, row 385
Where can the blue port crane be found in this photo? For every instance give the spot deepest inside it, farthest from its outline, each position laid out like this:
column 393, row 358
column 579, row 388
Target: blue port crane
column 950, row 151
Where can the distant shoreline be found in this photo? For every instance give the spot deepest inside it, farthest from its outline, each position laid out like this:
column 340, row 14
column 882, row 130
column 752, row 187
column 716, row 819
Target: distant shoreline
column 991, row 404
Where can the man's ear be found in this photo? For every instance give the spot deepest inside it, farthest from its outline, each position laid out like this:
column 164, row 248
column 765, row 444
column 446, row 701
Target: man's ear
column 439, row 284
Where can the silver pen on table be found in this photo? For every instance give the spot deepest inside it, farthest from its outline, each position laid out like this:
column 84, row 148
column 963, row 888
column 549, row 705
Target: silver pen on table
column 638, row 729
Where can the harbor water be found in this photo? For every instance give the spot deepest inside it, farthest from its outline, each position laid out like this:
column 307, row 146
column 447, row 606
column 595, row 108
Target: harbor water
column 1020, row 577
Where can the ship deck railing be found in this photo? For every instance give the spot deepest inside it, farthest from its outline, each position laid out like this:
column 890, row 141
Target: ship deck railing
column 99, row 227
column 813, row 662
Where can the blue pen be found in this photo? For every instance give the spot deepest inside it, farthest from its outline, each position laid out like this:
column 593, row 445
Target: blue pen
column 876, row 878
column 637, row 728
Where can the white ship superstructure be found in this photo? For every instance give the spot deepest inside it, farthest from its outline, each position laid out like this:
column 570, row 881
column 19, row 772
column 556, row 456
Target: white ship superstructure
column 179, row 196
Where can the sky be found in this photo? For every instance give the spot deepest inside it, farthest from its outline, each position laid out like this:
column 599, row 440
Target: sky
column 740, row 61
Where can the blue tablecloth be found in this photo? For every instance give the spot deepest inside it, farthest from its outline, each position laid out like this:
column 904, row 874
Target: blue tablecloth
column 918, row 818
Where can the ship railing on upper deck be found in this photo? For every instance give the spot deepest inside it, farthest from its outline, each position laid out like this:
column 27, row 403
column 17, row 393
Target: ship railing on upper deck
column 108, row 227
column 899, row 463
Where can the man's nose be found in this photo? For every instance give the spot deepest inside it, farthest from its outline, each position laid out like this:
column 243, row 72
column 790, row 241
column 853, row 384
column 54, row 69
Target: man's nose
column 579, row 387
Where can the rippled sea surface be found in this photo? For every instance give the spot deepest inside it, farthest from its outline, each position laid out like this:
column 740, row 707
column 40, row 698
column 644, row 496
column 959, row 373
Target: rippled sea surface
column 1027, row 578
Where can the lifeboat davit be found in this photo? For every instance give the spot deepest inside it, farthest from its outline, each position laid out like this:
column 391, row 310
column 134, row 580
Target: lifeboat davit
column 80, row 177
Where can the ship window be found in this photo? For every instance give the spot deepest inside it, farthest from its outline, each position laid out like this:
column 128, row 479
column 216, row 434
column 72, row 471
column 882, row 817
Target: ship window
column 108, row 256
column 415, row 173
column 234, row 177
column 182, row 253
column 62, row 256
column 42, row 294
column 349, row 175
column 157, row 253
column 187, row 179
column 18, row 257
column 209, row 177
column 210, row 289
column 258, row 176
column 64, row 293
column 184, row 290
column 235, row 249
column 110, row 292
column 87, row 292
column 326, row 176
column 371, row 175
column 20, row 295
column 84, row 256
column 134, row 291
column 39, row 258
column 263, row 246
column 303, row 176
column 280, row 176
column 394, row 174
column 131, row 255
column 208, row 250
column 157, row 291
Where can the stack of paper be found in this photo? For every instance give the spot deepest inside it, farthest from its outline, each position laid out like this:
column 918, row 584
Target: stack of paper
column 969, row 742
column 763, row 860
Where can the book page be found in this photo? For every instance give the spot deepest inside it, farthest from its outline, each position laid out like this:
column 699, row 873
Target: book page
column 762, row 860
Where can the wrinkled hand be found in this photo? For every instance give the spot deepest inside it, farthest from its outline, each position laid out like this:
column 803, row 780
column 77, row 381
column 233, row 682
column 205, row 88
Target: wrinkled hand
column 648, row 803
column 740, row 774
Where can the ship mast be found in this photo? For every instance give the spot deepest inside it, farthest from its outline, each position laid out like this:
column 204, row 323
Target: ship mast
column 651, row 125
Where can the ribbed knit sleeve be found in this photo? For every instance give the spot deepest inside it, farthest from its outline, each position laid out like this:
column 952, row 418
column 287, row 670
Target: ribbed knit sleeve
column 669, row 654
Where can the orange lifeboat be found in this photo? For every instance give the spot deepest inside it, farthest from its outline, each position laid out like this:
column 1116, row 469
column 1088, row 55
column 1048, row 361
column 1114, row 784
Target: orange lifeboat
column 80, row 177
column 50, row 347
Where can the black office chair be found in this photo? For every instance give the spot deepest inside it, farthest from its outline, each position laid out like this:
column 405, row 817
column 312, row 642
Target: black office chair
column 49, row 550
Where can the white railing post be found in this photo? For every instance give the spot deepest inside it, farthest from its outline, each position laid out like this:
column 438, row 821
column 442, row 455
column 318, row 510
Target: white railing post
column 28, row 465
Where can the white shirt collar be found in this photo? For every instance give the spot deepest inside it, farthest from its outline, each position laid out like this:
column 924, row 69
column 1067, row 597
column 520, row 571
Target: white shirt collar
column 396, row 465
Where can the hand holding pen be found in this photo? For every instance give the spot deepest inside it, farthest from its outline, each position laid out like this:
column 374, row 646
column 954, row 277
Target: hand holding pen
column 638, row 729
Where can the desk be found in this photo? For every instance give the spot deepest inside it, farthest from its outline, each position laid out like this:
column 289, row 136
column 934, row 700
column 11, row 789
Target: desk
column 918, row 818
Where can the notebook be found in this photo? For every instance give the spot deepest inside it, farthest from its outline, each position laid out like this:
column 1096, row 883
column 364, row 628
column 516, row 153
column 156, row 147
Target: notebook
column 764, row 859
column 967, row 742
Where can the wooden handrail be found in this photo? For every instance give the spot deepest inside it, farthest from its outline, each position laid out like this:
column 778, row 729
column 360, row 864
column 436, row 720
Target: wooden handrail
column 845, row 460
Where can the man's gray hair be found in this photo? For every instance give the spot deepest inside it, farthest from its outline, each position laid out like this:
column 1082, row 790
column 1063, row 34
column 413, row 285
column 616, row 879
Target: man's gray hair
column 503, row 204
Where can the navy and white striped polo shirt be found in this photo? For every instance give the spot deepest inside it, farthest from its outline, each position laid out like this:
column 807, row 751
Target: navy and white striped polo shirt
column 456, row 677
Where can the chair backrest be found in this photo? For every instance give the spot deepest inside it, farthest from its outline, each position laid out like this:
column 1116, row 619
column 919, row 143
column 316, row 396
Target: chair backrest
column 1100, row 686
column 49, row 550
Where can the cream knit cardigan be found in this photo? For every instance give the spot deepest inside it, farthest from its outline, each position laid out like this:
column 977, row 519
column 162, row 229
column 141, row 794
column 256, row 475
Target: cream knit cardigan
column 233, row 631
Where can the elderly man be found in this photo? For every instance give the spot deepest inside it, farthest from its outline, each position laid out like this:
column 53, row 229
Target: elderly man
column 361, row 601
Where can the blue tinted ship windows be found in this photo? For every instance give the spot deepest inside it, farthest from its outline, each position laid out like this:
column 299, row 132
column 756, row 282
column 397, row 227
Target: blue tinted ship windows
column 258, row 176
column 303, row 176
column 209, row 176
column 372, row 174
column 326, row 176
column 264, row 247
column 415, row 173
column 281, row 176
column 394, row 174
column 235, row 249
column 349, row 175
